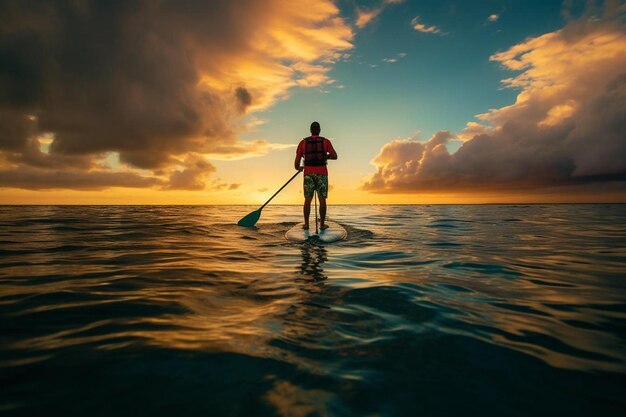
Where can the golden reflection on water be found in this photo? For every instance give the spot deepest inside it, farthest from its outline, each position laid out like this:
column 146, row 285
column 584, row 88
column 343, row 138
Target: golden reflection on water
column 241, row 318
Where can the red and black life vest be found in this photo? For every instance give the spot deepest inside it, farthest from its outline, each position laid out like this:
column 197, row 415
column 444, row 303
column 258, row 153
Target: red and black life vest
column 314, row 152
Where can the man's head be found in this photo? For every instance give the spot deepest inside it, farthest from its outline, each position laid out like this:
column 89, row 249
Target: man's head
column 315, row 128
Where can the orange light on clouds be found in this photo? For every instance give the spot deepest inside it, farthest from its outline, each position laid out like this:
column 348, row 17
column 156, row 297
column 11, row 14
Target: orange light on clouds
column 174, row 135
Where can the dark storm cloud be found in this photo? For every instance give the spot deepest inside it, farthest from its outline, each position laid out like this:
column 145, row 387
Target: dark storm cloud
column 243, row 97
column 150, row 80
column 113, row 75
column 31, row 155
column 15, row 129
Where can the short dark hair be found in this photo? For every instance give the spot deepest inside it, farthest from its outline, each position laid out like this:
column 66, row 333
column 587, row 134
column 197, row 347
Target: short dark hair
column 315, row 128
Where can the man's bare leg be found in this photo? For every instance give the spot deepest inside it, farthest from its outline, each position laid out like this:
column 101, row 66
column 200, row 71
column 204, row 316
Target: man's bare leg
column 307, row 211
column 323, row 213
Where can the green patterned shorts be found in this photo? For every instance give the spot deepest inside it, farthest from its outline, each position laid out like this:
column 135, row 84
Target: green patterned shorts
column 313, row 182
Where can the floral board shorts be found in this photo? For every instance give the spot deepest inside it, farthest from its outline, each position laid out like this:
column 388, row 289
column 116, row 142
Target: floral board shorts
column 316, row 182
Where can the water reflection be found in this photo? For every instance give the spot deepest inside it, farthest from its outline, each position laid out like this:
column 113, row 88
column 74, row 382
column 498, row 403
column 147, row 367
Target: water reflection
column 245, row 313
column 314, row 254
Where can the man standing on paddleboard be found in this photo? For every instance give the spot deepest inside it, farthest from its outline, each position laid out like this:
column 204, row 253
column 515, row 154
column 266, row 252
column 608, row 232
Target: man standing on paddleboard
column 315, row 150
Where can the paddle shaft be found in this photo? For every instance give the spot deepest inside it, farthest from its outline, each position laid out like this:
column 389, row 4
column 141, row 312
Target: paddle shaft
column 281, row 188
column 316, row 229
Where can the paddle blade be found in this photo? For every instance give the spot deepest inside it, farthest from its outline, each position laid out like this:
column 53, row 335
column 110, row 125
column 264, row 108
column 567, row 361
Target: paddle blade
column 251, row 219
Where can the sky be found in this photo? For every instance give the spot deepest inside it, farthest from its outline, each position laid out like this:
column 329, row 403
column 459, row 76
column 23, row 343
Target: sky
column 204, row 102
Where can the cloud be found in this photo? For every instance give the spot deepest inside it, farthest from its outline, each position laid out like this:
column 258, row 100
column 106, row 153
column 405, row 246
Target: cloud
column 246, row 149
column 244, row 98
column 153, row 82
column 421, row 27
column 493, row 18
column 471, row 130
column 217, row 185
column 395, row 58
column 192, row 177
column 565, row 128
column 32, row 154
column 40, row 179
column 365, row 16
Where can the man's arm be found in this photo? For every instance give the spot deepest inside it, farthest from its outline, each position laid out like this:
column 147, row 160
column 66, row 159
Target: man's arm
column 332, row 154
column 298, row 160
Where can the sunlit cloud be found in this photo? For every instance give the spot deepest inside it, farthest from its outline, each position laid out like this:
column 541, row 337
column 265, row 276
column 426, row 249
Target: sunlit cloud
column 421, row 27
column 193, row 176
column 253, row 123
column 245, row 150
column 219, row 185
column 153, row 84
column 364, row 16
column 310, row 75
column 493, row 18
column 473, row 129
column 566, row 126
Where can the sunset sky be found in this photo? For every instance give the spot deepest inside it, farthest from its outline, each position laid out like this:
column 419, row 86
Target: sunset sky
column 204, row 102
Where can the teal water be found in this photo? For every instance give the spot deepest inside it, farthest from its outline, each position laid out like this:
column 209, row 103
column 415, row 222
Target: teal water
column 496, row 310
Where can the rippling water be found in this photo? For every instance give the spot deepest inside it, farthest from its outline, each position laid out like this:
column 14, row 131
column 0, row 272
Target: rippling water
column 424, row 310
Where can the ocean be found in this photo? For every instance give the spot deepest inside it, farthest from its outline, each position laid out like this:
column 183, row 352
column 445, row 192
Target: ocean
column 425, row 310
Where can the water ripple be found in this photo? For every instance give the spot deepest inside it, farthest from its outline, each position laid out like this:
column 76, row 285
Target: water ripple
column 421, row 309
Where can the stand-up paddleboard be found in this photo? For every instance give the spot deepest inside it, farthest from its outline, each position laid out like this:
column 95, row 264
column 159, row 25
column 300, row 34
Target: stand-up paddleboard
column 334, row 233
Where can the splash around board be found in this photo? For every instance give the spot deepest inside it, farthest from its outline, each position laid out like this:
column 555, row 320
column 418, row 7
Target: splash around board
column 334, row 233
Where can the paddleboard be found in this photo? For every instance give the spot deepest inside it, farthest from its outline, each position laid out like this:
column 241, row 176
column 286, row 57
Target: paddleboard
column 334, row 233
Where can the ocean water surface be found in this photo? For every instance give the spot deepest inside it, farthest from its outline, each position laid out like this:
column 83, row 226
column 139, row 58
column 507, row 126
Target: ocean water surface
column 497, row 310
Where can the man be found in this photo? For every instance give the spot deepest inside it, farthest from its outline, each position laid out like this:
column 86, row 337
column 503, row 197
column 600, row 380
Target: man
column 315, row 150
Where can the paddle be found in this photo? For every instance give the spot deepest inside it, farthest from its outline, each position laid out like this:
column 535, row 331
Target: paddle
column 251, row 219
column 315, row 195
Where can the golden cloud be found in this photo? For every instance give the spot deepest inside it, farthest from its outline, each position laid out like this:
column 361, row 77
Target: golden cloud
column 421, row 27
column 365, row 16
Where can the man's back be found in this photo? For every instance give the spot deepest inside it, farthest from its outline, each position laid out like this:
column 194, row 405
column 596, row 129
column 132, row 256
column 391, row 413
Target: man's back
column 328, row 150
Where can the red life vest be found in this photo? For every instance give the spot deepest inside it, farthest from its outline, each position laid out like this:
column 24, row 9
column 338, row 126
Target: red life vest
column 314, row 152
